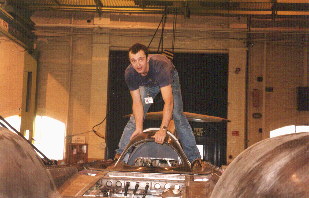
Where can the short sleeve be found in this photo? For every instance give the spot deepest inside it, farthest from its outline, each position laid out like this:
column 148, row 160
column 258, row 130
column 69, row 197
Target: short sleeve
column 131, row 82
column 164, row 76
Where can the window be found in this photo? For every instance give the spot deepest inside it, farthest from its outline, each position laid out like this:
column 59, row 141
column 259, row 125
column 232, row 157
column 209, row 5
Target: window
column 49, row 137
column 289, row 130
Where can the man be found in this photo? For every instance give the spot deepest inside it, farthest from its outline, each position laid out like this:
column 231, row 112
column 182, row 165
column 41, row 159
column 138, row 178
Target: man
column 146, row 76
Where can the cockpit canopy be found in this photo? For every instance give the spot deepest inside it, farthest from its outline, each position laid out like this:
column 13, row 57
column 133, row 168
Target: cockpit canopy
column 144, row 154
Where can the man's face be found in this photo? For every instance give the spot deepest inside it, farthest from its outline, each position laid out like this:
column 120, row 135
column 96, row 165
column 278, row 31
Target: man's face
column 139, row 62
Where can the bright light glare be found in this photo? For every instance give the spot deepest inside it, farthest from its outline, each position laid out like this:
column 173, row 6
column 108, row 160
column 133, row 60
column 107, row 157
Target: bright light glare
column 201, row 149
column 49, row 137
column 27, row 134
column 288, row 130
column 300, row 129
column 14, row 121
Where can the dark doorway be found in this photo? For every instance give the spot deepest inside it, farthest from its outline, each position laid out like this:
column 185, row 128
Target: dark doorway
column 203, row 79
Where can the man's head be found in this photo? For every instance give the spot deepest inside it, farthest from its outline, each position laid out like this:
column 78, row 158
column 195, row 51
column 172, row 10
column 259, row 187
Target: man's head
column 137, row 47
column 138, row 54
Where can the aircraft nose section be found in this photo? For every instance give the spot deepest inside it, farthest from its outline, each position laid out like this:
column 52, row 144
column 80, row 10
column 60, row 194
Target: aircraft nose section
column 22, row 169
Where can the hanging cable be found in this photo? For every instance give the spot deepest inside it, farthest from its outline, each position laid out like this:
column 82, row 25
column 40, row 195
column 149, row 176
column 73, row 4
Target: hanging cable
column 174, row 31
column 92, row 130
column 168, row 53
column 162, row 34
column 95, row 131
column 156, row 30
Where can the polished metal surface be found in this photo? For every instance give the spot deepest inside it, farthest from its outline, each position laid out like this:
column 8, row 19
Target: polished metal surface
column 22, row 173
column 156, row 162
column 146, row 168
column 138, row 175
column 275, row 167
column 151, row 185
column 26, row 176
column 136, row 184
column 143, row 147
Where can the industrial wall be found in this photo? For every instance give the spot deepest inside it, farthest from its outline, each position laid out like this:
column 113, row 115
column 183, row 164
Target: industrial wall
column 73, row 62
column 73, row 71
column 276, row 69
column 11, row 77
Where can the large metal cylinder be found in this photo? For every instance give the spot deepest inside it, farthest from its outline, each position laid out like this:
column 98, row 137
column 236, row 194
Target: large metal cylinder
column 274, row 167
column 22, row 173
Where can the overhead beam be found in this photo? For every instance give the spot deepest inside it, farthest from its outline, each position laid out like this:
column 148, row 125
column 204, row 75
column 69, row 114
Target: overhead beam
column 199, row 11
column 99, row 6
column 57, row 2
column 271, row 8
column 16, row 31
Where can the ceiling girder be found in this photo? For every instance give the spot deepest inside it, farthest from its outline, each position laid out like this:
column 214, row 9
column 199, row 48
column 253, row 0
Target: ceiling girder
column 57, row 2
column 99, row 5
column 196, row 7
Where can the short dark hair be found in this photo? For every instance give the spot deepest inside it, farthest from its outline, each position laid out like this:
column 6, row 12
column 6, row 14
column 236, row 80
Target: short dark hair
column 137, row 47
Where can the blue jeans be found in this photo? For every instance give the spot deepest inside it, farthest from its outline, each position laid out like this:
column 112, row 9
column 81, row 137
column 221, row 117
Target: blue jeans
column 183, row 128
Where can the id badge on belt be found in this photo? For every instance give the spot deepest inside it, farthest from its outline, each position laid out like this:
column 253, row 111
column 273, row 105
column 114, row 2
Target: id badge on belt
column 148, row 100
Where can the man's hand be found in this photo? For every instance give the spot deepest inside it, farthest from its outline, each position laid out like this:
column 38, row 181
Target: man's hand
column 160, row 136
column 136, row 133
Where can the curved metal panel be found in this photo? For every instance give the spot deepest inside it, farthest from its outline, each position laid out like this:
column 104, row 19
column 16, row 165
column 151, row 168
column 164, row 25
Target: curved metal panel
column 143, row 146
column 275, row 167
column 22, row 171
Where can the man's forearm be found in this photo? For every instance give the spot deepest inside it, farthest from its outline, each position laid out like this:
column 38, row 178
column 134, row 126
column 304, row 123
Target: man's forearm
column 138, row 113
column 167, row 114
column 167, row 95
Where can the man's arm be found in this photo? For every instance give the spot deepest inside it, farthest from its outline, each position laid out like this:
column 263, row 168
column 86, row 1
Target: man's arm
column 138, row 112
column 167, row 95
